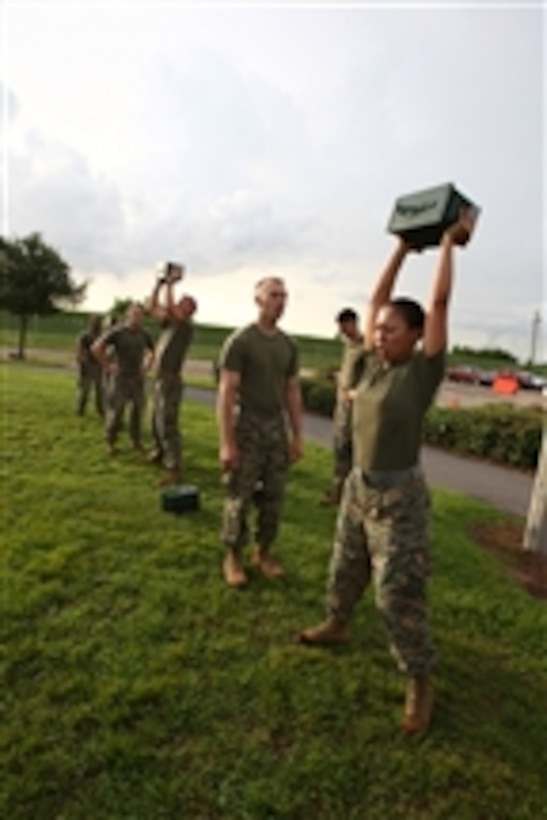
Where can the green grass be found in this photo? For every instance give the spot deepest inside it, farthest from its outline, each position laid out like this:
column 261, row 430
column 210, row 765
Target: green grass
column 138, row 686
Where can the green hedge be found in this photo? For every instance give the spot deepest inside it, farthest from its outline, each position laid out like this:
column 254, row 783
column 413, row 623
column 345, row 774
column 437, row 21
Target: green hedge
column 319, row 396
column 499, row 432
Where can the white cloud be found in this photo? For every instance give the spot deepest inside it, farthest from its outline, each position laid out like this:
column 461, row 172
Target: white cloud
column 248, row 141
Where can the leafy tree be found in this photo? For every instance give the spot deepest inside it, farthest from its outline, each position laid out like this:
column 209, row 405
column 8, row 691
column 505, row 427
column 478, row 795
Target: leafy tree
column 34, row 281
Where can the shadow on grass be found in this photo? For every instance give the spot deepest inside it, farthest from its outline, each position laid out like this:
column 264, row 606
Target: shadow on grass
column 486, row 705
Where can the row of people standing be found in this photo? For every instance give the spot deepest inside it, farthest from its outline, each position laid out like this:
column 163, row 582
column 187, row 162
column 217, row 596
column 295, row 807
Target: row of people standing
column 116, row 362
column 382, row 532
column 258, row 390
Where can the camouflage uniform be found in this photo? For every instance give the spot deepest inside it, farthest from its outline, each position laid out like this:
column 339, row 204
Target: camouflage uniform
column 264, row 447
column 382, row 531
column 343, row 450
column 127, row 386
column 382, row 534
column 348, row 377
column 89, row 374
column 171, row 351
column 265, row 364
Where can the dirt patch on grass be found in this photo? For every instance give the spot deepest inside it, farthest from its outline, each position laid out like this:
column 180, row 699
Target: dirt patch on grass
column 504, row 540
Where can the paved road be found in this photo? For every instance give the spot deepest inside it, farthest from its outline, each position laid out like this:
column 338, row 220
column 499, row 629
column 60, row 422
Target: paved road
column 500, row 487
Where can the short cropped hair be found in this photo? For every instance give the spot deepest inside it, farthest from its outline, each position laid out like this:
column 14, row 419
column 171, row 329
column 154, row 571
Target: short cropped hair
column 266, row 280
column 410, row 311
column 346, row 315
column 190, row 302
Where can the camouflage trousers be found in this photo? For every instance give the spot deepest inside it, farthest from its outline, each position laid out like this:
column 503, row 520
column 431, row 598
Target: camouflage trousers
column 382, row 534
column 108, row 383
column 125, row 390
column 168, row 390
column 263, row 446
column 90, row 378
column 342, row 442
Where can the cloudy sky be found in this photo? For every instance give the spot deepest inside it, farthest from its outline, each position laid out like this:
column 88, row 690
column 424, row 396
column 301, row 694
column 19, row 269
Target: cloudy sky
column 248, row 139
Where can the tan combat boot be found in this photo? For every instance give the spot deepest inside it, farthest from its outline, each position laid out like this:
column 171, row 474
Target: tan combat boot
column 331, row 632
column 268, row 566
column 233, row 571
column 418, row 707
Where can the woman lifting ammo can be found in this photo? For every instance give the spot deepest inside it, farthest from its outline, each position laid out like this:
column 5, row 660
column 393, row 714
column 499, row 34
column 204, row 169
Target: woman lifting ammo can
column 382, row 530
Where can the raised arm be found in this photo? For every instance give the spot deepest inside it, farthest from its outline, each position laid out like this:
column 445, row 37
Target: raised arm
column 382, row 291
column 157, row 310
column 436, row 323
column 174, row 309
column 171, row 306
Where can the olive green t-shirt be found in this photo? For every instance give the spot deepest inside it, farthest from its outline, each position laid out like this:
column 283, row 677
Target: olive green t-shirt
column 265, row 363
column 130, row 345
column 389, row 407
column 172, row 347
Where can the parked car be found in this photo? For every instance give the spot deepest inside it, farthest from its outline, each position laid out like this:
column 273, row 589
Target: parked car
column 486, row 377
column 530, row 381
column 463, row 373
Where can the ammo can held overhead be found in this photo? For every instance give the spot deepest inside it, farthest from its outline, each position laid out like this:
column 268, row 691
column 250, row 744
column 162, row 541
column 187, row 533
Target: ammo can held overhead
column 422, row 217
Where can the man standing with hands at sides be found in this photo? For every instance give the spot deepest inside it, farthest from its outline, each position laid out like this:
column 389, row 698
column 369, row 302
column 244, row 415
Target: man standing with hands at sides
column 134, row 349
column 382, row 531
column 258, row 393
column 171, row 350
column 347, row 377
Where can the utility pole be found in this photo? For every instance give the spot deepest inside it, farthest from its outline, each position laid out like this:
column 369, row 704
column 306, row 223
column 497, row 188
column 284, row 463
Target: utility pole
column 536, row 321
column 535, row 533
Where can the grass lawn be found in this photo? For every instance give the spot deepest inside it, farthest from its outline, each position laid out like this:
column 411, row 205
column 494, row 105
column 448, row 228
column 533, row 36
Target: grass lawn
column 137, row 686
